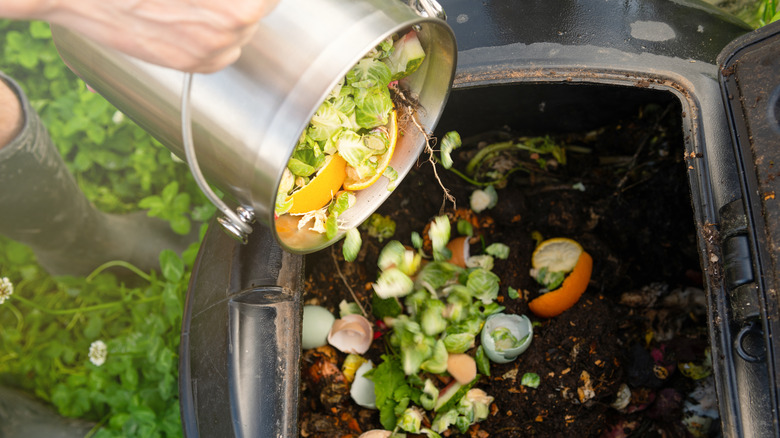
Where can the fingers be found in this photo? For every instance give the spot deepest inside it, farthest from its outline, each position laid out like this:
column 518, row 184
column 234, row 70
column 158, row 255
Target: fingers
column 189, row 35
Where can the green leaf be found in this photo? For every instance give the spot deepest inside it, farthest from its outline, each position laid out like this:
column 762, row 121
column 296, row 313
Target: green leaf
column 483, row 362
column 169, row 192
column 300, row 168
column 180, row 225
column 382, row 308
column 96, row 133
column 379, row 227
column 373, row 108
column 498, row 250
column 332, row 228
column 93, row 327
column 459, row 342
column 530, row 380
column 40, row 30
column 130, row 378
column 435, row 275
column 417, row 240
column 439, row 232
column 449, row 143
column 406, row 57
column 171, row 265
column 387, row 377
column 465, row 228
column 352, row 244
column 437, row 363
column 484, row 285
column 369, row 73
column 512, row 293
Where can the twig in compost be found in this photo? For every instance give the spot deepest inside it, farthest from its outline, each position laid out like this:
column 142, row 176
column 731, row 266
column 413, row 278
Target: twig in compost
column 344, row 280
column 633, row 164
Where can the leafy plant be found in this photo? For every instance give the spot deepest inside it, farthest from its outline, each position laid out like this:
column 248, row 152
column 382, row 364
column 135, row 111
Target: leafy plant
column 116, row 163
column 768, row 11
column 54, row 331
column 51, row 331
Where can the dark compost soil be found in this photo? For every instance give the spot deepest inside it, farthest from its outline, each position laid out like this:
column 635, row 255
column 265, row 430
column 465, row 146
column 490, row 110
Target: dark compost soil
column 634, row 217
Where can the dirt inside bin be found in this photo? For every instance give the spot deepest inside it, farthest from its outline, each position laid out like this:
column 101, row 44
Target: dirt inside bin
column 640, row 326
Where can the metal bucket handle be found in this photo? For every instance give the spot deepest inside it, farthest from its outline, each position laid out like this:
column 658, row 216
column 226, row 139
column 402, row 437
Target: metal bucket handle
column 237, row 223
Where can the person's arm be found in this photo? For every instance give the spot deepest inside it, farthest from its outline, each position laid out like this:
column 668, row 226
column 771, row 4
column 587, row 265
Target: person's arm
column 190, row 35
column 11, row 118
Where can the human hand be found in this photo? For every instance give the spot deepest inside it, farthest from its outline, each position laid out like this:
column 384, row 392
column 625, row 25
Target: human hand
column 190, row 35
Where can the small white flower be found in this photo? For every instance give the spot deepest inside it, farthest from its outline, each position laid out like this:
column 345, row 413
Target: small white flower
column 98, row 352
column 118, row 117
column 6, row 289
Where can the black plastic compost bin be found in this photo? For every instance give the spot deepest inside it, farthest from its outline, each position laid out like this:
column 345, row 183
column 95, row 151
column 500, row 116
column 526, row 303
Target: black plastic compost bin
column 554, row 66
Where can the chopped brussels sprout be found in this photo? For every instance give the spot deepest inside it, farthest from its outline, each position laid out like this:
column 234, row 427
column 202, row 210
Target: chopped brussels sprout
column 411, row 420
column 393, row 283
column 437, row 363
column 429, row 396
column 530, row 380
column 352, row 244
column 481, row 200
column 406, row 57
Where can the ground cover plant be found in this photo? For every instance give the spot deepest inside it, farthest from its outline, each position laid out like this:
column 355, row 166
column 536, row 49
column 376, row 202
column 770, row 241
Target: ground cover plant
column 102, row 347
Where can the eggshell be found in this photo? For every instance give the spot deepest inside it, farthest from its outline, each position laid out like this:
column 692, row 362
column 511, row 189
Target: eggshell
column 317, row 322
column 460, row 249
column 376, row 433
column 362, row 390
column 351, row 334
column 520, row 327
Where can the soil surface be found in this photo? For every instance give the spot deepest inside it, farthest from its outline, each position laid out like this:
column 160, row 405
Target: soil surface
column 640, row 326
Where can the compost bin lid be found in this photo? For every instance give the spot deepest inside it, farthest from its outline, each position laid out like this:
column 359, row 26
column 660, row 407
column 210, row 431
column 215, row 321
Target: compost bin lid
column 750, row 83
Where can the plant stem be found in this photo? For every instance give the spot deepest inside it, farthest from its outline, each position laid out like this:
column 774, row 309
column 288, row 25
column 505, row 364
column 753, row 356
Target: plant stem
column 487, row 183
column 83, row 309
column 118, row 263
column 484, row 152
column 19, row 317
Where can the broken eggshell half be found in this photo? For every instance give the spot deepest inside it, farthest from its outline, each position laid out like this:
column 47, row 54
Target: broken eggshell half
column 351, row 334
column 376, row 433
column 496, row 340
column 460, row 249
column 317, row 322
column 362, row 390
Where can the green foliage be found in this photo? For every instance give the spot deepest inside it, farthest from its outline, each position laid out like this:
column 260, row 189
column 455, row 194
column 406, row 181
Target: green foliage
column 116, row 163
column 393, row 393
column 768, row 11
column 48, row 325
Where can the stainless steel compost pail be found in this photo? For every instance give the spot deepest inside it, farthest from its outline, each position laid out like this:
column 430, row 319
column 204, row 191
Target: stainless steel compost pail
column 246, row 119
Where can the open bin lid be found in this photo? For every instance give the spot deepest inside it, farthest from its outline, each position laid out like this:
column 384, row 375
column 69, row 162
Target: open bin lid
column 750, row 83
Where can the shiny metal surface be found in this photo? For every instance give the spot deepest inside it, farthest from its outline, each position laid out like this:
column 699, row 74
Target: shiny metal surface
column 247, row 118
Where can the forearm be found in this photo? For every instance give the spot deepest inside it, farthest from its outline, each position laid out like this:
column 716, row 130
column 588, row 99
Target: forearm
column 191, row 35
column 11, row 115
column 26, row 9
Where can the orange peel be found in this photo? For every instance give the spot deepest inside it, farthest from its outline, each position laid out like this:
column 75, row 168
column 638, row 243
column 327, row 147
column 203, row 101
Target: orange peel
column 555, row 302
column 321, row 189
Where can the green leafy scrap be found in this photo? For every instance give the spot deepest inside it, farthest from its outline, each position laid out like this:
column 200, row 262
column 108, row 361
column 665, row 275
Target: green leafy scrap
column 391, row 389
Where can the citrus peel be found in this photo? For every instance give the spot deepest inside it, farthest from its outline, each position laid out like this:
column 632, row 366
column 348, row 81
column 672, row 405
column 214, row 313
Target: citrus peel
column 321, row 189
column 555, row 302
column 558, row 254
column 384, row 160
